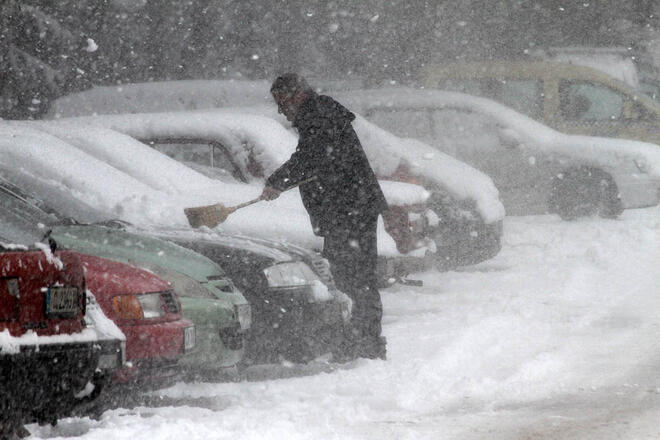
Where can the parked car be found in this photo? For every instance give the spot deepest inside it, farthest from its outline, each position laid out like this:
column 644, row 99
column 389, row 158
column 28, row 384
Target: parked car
column 442, row 211
column 221, row 314
column 298, row 312
column 568, row 97
column 536, row 169
column 52, row 355
column 148, row 311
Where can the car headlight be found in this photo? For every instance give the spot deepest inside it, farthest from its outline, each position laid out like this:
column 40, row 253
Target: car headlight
column 145, row 306
column 291, row 274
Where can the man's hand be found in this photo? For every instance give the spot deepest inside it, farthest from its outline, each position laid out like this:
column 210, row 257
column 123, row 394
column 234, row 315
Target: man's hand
column 270, row 193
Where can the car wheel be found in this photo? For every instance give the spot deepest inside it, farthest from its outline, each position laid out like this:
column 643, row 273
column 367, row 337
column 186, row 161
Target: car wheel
column 584, row 191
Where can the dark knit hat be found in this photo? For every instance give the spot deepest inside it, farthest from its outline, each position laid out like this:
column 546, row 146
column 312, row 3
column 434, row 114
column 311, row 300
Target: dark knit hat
column 290, row 83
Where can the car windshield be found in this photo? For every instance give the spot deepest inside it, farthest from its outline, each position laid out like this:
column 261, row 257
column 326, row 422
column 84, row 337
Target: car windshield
column 60, row 206
column 21, row 220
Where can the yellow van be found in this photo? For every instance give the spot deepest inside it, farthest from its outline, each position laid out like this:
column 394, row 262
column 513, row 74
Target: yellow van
column 568, row 97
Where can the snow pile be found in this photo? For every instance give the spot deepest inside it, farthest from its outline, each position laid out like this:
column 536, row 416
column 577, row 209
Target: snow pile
column 96, row 319
column 12, row 344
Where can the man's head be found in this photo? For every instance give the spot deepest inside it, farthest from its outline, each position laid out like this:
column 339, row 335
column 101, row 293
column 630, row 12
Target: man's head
column 290, row 91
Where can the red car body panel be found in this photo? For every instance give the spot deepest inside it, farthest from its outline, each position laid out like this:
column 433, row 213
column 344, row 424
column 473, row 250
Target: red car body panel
column 33, row 274
column 151, row 343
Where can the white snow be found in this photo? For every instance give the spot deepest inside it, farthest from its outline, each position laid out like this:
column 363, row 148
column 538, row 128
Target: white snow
column 557, row 337
column 146, row 97
column 12, row 344
column 96, row 319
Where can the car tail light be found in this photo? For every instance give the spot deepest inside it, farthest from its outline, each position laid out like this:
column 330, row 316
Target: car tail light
column 127, row 307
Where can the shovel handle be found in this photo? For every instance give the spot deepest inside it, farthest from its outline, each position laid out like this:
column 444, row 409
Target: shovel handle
column 248, row 203
column 260, row 198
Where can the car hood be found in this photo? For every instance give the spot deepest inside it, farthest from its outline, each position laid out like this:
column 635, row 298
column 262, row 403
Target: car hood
column 130, row 247
column 270, row 252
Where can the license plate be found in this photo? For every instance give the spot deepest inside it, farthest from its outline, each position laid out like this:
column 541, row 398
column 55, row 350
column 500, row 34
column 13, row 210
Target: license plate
column 62, row 301
column 188, row 338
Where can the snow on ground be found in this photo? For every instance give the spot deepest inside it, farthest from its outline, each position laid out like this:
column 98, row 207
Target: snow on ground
column 557, row 337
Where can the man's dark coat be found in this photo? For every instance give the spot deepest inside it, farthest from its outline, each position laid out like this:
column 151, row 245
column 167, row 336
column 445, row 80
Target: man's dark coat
column 345, row 192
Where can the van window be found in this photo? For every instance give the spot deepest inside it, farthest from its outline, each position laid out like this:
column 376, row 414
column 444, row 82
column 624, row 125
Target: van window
column 651, row 90
column 586, row 101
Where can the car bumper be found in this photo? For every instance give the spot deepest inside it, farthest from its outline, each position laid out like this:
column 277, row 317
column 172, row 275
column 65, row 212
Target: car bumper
column 217, row 348
column 39, row 383
column 282, row 323
column 153, row 351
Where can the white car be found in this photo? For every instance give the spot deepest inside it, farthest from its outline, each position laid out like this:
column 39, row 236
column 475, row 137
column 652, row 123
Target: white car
column 453, row 218
column 537, row 169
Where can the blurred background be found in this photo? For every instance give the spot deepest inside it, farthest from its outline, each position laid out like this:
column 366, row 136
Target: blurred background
column 49, row 49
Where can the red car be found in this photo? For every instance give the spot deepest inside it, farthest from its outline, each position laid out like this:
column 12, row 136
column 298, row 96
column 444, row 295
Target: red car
column 48, row 355
column 148, row 311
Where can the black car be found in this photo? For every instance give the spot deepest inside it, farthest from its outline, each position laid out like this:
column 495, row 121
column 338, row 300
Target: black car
column 298, row 313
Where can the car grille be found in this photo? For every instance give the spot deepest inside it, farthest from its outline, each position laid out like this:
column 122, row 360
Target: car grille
column 170, row 302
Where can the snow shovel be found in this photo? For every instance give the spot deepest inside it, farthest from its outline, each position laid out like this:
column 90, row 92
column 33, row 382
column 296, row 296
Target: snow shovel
column 213, row 215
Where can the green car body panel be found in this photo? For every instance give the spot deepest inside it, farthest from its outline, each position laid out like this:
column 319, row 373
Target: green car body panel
column 208, row 298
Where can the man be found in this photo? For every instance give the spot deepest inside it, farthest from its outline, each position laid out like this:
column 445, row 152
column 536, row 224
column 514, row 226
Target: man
column 342, row 197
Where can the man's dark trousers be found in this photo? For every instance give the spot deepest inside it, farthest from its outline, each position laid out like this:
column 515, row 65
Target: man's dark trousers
column 353, row 257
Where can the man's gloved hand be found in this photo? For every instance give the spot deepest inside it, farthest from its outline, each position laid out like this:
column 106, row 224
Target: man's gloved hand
column 270, row 193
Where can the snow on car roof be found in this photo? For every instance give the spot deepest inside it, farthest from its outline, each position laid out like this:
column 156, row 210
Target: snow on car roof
column 80, row 175
column 273, row 143
column 603, row 151
column 145, row 97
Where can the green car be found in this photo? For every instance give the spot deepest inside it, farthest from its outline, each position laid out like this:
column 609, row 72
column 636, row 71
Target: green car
column 221, row 314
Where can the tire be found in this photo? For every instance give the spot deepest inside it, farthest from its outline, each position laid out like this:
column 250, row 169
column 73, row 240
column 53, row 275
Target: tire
column 584, row 191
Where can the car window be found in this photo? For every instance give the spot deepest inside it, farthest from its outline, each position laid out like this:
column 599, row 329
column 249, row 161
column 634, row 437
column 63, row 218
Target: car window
column 209, row 158
column 404, row 122
column 586, row 101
